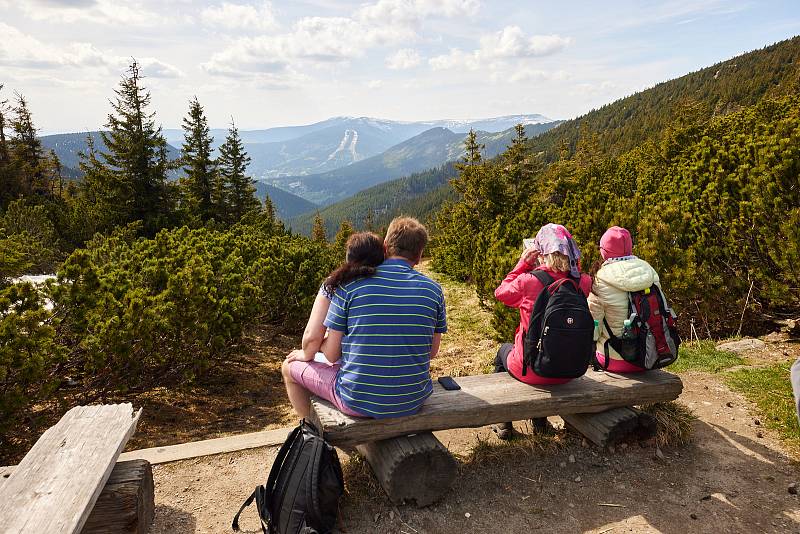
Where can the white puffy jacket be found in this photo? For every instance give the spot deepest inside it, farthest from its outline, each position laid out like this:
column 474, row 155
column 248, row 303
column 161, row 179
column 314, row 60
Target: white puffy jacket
column 609, row 296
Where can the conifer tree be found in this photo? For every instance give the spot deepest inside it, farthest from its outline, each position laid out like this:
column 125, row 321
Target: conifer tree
column 318, row 232
column 26, row 149
column 239, row 191
column 473, row 148
column 197, row 163
column 369, row 221
column 8, row 184
column 131, row 177
column 340, row 240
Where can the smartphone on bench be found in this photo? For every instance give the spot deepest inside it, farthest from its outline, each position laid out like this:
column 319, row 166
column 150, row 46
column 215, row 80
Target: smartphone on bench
column 448, row 383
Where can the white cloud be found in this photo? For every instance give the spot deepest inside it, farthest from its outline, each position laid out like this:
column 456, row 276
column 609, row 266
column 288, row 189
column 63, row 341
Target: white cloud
column 509, row 43
column 455, row 59
column 405, row 58
column 526, row 74
column 23, row 51
column 315, row 40
column 95, row 11
column 407, row 12
column 375, row 84
column 240, row 16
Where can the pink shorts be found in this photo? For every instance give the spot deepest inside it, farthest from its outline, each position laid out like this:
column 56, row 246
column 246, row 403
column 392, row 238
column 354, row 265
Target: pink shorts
column 619, row 366
column 320, row 379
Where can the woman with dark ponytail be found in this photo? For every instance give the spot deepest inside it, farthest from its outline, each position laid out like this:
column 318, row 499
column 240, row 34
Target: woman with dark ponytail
column 364, row 254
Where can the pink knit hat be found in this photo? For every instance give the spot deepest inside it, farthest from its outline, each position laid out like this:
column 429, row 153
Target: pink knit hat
column 616, row 243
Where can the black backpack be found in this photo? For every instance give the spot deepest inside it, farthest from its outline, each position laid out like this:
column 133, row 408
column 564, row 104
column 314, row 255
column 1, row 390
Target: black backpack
column 303, row 489
column 559, row 342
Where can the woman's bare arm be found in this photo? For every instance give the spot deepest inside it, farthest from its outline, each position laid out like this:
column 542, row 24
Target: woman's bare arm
column 314, row 334
column 332, row 346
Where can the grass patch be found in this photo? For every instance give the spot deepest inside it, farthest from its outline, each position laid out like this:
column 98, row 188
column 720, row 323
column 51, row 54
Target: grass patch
column 673, row 422
column 493, row 451
column 770, row 389
column 467, row 347
column 704, row 356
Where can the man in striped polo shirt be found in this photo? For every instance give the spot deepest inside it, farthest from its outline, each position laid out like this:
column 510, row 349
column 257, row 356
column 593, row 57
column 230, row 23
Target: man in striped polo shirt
column 388, row 327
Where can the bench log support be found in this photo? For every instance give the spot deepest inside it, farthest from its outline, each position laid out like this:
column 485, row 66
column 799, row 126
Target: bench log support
column 612, row 426
column 414, row 468
column 127, row 502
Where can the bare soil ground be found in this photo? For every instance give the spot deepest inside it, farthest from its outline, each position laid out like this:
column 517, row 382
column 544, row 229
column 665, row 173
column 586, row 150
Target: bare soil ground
column 732, row 477
column 727, row 480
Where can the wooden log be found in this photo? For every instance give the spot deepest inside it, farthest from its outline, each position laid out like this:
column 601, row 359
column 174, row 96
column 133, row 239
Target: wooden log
column 416, row 468
column 127, row 503
column 497, row 397
column 610, row 427
column 56, row 485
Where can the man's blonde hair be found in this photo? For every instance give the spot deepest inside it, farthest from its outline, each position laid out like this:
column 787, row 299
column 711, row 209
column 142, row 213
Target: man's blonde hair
column 556, row 261
column 406, row 237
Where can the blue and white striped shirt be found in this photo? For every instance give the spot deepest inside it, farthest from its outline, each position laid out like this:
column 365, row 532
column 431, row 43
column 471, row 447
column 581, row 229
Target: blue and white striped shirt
column 388, row 320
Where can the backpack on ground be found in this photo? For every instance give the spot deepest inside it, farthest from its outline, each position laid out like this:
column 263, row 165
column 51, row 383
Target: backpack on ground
column 559, row 342
column 303, row 488
column 649, row 337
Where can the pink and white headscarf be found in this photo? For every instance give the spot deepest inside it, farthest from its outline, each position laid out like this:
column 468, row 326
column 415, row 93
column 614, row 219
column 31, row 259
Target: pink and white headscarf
column 555, row 238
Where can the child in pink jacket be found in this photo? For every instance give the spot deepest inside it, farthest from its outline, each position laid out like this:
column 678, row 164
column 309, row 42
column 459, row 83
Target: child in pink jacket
column 556, row 253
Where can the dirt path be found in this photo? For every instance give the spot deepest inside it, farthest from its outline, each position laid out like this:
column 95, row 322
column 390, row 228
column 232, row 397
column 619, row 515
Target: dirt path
column 727, row 480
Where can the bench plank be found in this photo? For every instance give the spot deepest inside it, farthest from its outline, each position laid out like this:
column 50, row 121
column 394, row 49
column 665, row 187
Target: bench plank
column 55, row 487
column 207, row 447
column 495, row 398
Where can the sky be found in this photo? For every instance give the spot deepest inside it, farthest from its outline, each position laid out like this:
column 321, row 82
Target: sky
column 266, row 64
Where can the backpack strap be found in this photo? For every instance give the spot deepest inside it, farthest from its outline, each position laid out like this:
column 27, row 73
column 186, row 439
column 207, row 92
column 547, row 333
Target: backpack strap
column 262, row 493
column 546, row 280
column 543, row 277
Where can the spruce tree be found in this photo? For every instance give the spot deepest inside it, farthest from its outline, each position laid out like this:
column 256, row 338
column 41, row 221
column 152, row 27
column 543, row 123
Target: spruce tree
column 199, row 180
column 318, row 232
column 8, row 182
column 473, row 148
column 340, row 240
column 239, row 190
column 135, row 164
column 26, row 149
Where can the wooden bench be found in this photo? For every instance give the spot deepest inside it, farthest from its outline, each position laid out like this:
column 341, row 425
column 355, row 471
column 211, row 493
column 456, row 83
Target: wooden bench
column 70, row 481
column 412, row 465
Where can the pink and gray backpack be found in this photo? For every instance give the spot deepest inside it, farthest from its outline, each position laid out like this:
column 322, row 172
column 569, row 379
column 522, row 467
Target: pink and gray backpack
column 649, row 338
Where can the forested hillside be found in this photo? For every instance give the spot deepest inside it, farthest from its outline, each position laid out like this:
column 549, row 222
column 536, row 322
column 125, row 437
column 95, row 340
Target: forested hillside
column 718, row 89
column 429, row 149
column 286, row 204
column 704, row 171
column 418, row 195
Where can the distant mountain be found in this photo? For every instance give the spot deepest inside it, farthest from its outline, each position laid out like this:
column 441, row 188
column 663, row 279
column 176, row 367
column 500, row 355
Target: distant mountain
column 340, row 141
column 429, row 149
column 286, row 204
column 68, row 145
column 418, row 195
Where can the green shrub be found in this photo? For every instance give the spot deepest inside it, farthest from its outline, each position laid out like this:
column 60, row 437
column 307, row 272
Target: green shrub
column 28, row 243
column 29, row 353
column 143, row 311
column 713, row 206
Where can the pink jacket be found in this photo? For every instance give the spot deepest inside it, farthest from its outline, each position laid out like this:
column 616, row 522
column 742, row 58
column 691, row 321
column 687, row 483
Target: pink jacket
column 519, row 289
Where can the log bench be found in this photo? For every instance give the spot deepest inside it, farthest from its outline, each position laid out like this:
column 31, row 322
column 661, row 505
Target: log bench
column 70, row 480
column 412, row 465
